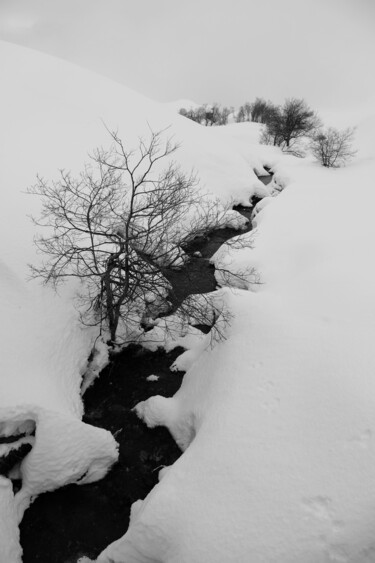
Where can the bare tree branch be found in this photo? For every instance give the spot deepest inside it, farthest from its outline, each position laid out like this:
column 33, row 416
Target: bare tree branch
column 332, row 147
column 118, row 226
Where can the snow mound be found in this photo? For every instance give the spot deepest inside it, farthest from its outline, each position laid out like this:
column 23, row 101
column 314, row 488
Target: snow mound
column 277, row 422
column 10, row 550
column 66, row 451
column 53, row 114
column 152, row 377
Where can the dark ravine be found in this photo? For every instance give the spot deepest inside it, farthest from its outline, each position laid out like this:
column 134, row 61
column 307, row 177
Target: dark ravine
column 82, row 520
column 61, row 526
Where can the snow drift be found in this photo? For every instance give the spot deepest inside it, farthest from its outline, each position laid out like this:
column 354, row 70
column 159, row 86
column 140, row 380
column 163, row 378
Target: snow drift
column 53, row 115
column 277, row 423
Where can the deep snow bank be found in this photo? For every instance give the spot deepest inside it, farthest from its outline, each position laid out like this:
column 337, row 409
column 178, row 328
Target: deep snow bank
column 52, row 116
column 43, row 354
column 278, row 421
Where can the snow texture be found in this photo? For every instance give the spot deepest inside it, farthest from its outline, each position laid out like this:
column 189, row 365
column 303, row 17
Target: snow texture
column 10, row 549
column 53, row 115
column 277, row 422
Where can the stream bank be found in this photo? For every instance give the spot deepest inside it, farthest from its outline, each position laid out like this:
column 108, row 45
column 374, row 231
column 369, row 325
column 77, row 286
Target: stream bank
column 81, row 520
column 63, row 525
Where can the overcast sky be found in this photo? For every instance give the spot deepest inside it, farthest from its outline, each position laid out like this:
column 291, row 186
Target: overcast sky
column 210, row 50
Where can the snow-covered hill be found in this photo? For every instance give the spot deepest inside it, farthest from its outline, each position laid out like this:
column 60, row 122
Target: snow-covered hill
column 53, row 114
column 277, row 421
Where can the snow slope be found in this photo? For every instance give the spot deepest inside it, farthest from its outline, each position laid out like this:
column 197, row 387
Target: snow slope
column 278, row 421
column 53, row 114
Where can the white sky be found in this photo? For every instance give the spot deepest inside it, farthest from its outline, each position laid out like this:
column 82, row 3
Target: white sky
column 210, row 50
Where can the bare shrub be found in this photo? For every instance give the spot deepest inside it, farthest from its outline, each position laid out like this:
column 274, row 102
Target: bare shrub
column 332, row 147
column 286, row 125
column 117, row 227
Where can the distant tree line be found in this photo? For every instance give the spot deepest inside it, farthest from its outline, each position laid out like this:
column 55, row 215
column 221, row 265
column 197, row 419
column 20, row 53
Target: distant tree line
column 259, row 111
column 332, row 147
column 285, row 127
column 208, row 114
column 286, row 124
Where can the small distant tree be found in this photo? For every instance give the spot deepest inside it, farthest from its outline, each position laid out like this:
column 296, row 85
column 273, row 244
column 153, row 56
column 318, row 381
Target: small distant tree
column 247, row 110
column 208, row 114
column 211, row 114
column 259, row 110
column 272, row 133
column 240, row 116
column 224, row 115
column 216, row 115
column 117, row 227
column 332, row 147
column 184, row 112
column 271, row 113
column 244, row 113
column 287, row 124
column 195, row 114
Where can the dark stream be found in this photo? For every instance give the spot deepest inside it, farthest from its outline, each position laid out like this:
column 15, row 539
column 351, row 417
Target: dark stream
column 63, row 525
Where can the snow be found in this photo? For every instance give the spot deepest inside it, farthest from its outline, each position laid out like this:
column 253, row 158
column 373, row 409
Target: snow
column 171, row 332
column 277, row 421
column 10, row 549
column 152, row 377
column 53, row 115
column 66, row 451
column 100, row 359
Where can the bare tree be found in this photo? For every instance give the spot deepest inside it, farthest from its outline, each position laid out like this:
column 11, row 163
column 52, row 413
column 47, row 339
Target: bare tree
column 332, row 147
column 118, row 226
column 287, row 124
column 244, row 113
column 259, row 110
column 247, row 107
column 208, row 114
column 215, row 114
column 241, row 115
column 224, row 114
column 195, row 114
